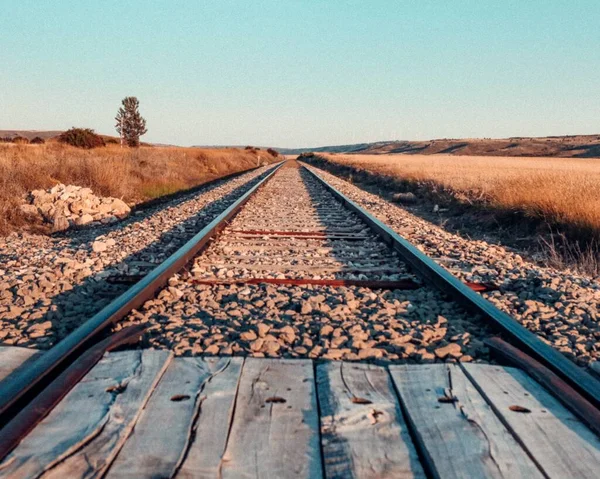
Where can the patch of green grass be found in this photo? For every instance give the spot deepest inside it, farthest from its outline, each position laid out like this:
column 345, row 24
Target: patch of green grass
column 160, row 189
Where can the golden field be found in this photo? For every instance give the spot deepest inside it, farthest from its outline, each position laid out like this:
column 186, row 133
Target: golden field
column 134, row 175
column 560, row 191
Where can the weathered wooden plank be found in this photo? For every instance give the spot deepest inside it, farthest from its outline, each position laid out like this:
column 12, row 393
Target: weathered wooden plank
column 265, row 229
column 363, row 433
column 358, row 251
column 320, row 242
column 561, row 444
column 82, row 435
column 289, row 238
column 275, row 428
column 179, row 403
column 458, row 433
column 334, row 260
column 218, row 401
column 13, row 357
column 281, row 268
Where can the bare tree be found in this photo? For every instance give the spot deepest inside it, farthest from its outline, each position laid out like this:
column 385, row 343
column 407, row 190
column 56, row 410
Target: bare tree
column 130, row 124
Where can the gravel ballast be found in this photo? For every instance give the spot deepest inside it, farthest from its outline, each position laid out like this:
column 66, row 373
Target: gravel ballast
column 49, row 285
column 305, row 321
column 561, row 307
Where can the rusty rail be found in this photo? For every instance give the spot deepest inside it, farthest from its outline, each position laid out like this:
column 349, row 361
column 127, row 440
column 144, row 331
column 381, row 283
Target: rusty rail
column 449, row 284
column 43, row 403
column 571, row 399
column 18, row 390
column 14, row 389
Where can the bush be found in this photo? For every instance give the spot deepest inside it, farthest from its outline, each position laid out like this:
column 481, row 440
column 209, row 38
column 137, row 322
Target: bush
column 81, row 138
column 6, row 139
column 272, row 152
column 249, row 148
column 37, row 141
column 20, row 140
column 112, row 141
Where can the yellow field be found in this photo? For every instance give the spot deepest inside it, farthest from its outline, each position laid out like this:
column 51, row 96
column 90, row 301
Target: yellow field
column 131, row 174
column 559, row 190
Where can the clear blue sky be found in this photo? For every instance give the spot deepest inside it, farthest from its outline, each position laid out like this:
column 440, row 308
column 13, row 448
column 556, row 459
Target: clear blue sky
column 303, row 73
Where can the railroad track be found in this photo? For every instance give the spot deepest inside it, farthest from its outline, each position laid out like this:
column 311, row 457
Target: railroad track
column 295, row 229
column 294, row 269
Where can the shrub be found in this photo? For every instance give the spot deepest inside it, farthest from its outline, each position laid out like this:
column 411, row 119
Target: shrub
column 112, row 141
column 272, row 152
column 37, row 141
column 249, row 148
column 134, row 175
column 81, row 138
column 21, row 140
column 6, row 139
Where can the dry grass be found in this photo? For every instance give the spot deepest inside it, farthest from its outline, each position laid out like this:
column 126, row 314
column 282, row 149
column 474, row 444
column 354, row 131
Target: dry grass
column 558, row 189
column 134, row 175
column 562, row 192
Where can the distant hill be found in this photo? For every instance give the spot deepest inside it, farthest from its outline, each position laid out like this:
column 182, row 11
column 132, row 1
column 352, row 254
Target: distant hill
column 30, row 134
column 576, row 146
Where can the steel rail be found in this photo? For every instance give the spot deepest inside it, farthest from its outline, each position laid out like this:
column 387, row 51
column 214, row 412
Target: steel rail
column 565, row 393
column 15, row 387
column 449, row 284
column 31, row 415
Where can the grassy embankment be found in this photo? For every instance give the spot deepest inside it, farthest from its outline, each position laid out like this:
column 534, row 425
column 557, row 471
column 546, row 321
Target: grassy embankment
column 135, row 175
column 558, row 194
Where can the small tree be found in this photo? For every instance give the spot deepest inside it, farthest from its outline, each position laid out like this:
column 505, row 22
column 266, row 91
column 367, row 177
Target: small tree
column 130, row 124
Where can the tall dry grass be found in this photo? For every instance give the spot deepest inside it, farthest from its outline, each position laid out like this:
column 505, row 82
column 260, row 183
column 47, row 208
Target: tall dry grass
column 562, row 192
column 134, row 175
column 565, row 190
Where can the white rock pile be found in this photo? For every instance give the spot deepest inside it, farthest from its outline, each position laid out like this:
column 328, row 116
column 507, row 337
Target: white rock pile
column 66, row 205
column 63, row 279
